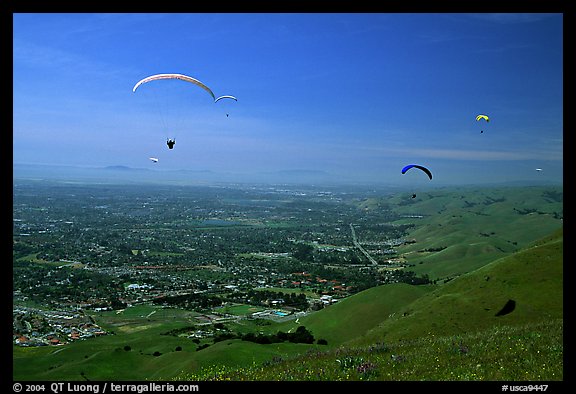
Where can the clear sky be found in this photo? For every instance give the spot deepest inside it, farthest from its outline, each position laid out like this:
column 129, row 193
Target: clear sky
column 356, row 95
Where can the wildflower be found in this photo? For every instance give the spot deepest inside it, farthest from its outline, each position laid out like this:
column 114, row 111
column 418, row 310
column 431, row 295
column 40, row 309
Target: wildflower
column 378, row 347
column 366, row 368
column 397, row 358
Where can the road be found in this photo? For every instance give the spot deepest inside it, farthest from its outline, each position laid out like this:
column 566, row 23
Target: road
column 357, row 244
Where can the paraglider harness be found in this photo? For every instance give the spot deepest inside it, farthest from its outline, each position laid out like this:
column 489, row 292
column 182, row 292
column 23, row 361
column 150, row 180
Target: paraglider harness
column 170, row 143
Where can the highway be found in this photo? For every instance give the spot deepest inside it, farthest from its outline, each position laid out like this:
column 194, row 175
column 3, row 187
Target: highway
column 357, row 244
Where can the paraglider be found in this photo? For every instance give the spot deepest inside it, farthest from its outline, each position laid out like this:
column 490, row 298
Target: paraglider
column 422, row 168
column 409, row 166
column 228, row 97
column 538, row 169
column 155, row 160
column 485, row 117
column 181, row 77
column 223, row 97
column 165, row 99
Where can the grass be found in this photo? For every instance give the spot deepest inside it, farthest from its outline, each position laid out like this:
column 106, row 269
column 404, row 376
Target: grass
column 239, row 309
column 341, row 322
column 475, row 226
column 447, row 331
column 529, row 352
column 390, row 332
column 450, row 332
column 532, row 277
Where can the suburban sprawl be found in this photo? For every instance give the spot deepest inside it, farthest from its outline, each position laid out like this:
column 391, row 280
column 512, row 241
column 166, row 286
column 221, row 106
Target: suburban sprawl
column 80, row 250
column 185, row 279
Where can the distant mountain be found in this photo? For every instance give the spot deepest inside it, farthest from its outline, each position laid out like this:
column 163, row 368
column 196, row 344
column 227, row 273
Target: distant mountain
column 300, row 172
column 126, row 174
column 123, row 168
column 158, row 175
column 59, row 173
column 299, row 176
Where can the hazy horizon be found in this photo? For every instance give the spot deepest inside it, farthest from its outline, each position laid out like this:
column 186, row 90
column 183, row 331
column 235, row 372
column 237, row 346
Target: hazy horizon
column 355, row 96
column 120, row 174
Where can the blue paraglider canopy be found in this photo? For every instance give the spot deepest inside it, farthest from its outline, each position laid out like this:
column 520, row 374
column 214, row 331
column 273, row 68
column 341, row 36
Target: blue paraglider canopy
column 409, row 166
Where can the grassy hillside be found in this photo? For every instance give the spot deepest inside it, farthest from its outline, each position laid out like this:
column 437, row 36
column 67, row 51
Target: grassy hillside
column 453, row 332
column 140, row 349
column 531, row 352
column 105, row 358
column 356, row 315
column 461, row 230
column 495, row 245
column 532, row 277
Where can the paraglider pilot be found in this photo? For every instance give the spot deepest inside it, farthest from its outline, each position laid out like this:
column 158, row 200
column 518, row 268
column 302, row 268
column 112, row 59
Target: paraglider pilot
column 170, row 142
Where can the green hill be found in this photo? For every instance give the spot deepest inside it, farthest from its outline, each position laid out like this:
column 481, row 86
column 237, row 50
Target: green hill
column 458, row 231
column 356, row 315
column 458, row 331
column 532, row 278
column 525, row 353
column 480, row 242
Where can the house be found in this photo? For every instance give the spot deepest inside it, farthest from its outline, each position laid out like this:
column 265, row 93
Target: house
column 327, row 299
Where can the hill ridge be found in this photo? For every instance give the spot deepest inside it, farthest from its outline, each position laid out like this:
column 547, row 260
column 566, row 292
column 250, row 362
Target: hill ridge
column 525, row 344
column 475, row 297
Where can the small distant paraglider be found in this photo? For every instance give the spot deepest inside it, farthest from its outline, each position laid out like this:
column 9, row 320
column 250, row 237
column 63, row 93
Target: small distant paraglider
column 538, row 169
column 223, row 97
column 155, row 160
column 485, row 117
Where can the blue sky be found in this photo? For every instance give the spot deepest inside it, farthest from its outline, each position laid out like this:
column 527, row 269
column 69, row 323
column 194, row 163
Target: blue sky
column 356, row 95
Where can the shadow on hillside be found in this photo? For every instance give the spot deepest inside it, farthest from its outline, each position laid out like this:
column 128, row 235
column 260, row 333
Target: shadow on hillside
column 507, row 308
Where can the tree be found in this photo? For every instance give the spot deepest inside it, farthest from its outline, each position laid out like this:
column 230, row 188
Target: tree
column 304, row 252
column 301, row 335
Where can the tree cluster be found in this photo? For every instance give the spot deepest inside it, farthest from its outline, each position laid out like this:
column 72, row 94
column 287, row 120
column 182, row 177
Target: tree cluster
column 301, row 335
